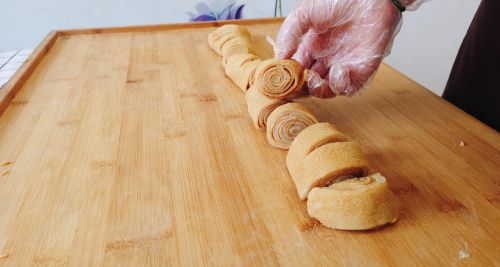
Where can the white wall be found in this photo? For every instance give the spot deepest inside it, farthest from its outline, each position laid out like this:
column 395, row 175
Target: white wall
column 424, row 49
column 429, row 40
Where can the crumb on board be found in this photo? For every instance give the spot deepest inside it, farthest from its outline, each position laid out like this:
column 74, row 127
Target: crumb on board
column 5, row 163
column 464, row 252
column 4, row 256
column 310, row 225
column 4, row 173
column 462, row 143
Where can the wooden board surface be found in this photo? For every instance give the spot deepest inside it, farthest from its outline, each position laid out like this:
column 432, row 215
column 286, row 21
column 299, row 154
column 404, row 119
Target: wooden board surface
column 132, row 148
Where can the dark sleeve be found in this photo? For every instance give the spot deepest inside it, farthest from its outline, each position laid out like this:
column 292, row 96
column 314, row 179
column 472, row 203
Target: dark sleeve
column 474, row 82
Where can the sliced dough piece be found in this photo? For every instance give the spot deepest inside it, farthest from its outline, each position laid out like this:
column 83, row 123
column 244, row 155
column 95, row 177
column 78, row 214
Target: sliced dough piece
column 328, row 164
column 280, row 78
column 218, row 44
column 235, row 46
column 355, row 204
column 308, row 140
column 224, row 29
column 286, row 122
column 241, row 69
column 231, row 64
column 228, row 28
column 247, row 74
column 221, row 35
column 260, row 106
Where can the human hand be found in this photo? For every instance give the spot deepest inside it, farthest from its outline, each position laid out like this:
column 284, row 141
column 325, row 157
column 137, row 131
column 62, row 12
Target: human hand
column 341, row 42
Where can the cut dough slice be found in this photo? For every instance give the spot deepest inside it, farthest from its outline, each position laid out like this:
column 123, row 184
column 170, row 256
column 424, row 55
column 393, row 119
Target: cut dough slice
column 247, row 74
column 240, row 69
column 260, row 106
column 355, row 204
column 235, row 46
column 228, row 28
column 280, row 78
column 219, row 43
column 232, row 63
column 224, row 29
column 308, row 140
column 328, row 164
column 223, row 34
column 286, row 122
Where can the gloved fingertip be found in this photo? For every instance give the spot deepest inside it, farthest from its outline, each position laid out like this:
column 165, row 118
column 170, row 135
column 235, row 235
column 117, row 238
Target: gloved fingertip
column 339, row 80
column 313, row 79
column 303, row 57
column 320, row 68
column 317, row 86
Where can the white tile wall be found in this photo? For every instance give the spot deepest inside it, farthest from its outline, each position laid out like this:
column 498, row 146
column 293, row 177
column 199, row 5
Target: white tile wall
column 10, row 62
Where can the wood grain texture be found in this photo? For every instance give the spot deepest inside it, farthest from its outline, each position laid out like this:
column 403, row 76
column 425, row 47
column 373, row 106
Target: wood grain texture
column 133, row 148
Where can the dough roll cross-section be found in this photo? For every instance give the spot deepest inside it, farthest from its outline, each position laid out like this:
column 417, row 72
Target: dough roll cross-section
column 283, row 76
column 280, row 78
column 354, row 204
column 277, row 78
column 260, row 106
column 286, row 122
column 328, row 164
column 325, row 166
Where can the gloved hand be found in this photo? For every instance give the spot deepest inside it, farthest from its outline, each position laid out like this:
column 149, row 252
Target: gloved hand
column 342, row 42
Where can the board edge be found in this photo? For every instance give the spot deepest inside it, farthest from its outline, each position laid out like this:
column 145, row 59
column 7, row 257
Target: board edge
column 21, row 76
column 170, row 26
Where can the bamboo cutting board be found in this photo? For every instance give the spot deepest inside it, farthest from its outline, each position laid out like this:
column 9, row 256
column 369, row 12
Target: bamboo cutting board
column 128, row 146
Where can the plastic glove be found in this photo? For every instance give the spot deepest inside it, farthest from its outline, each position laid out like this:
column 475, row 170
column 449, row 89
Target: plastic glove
column 342, row 42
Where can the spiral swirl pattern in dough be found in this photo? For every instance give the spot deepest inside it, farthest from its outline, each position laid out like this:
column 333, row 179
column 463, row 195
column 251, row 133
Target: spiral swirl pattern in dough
column 286, row 122
column 260, row 106
column 280, row 78
column 241, row 68
column 354, row 204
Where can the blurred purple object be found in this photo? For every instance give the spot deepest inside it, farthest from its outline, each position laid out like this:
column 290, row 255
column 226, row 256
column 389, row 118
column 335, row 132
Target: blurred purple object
column 217, row 11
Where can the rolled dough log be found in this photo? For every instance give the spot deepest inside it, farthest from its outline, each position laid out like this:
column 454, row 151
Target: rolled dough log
column 327, row 164
column 355, row 204
column 260, row 106
column 286, row 122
